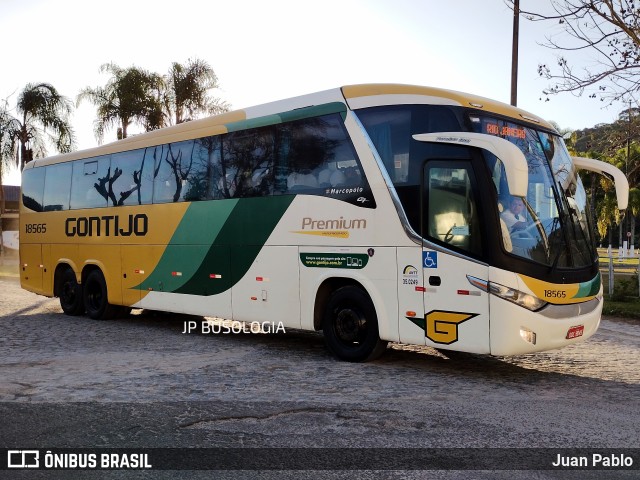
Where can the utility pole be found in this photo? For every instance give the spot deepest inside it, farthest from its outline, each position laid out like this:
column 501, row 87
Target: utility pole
column 628, row 141
column 626, row 165
column 514, row 53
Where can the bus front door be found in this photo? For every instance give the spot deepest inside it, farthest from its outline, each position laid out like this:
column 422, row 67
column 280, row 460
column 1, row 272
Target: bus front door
column 456, row 310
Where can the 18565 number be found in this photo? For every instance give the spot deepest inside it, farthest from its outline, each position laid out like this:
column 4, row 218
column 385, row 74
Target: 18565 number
column 35, row 227
column 555, row 294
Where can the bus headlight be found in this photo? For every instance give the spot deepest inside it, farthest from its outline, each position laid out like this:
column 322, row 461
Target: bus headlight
column 516, row 296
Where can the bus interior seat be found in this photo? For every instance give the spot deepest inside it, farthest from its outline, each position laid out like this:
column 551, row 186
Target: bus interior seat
column 299, row 181
column 324, row 175
column 337, row 178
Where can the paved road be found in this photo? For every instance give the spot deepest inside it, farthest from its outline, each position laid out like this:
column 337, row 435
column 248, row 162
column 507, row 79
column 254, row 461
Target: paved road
column 140, row 382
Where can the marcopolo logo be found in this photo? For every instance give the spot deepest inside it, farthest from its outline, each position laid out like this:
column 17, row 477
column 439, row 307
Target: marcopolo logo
column 107, row 225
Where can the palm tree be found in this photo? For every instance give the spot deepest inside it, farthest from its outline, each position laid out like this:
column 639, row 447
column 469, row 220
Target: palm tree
column 4, row 120
column 187, row 91
column 5, row 143
column 627, row 159
column 42, row 116
column 132, row 95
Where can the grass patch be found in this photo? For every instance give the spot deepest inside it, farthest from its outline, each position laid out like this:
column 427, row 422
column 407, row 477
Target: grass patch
column 629, row 307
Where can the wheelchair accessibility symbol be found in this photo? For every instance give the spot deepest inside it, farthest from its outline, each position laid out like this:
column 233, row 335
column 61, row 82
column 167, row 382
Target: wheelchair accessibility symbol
column 430, row 259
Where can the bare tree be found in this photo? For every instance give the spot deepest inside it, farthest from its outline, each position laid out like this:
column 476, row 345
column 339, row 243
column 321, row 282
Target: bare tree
column 609, row 31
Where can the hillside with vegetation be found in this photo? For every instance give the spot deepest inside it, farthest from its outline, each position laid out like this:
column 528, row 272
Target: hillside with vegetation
column 615, row 143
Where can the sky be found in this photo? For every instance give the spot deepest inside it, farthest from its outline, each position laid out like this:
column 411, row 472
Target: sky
column 264, row 50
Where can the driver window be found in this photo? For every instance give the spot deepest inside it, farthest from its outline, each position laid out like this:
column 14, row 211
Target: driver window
column 452, row 214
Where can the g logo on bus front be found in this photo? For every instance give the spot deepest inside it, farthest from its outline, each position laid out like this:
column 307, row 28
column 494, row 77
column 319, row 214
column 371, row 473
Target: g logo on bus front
column 442, row 326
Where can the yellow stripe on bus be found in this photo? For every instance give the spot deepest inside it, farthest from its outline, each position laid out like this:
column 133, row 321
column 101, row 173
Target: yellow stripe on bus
column 560, row 294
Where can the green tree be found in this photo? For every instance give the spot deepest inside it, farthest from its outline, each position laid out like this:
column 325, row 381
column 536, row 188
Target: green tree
column 564, row 132
column 633, row 211
column 608, row 215
column 614, row 143
column 187, row 91
column 42, row 115
column 131, row 95
column 627, row 159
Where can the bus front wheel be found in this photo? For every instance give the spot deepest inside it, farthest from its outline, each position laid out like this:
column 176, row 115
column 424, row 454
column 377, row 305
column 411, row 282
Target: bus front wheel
column 70, row 293
column 95, row 297
column 350, row 326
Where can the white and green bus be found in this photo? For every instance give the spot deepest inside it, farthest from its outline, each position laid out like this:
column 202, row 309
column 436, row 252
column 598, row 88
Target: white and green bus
column 375, row 213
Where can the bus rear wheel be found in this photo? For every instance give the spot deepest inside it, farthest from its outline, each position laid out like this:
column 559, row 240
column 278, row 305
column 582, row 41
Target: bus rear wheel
column 350, row 326
column 95, row 297
column 70, row 293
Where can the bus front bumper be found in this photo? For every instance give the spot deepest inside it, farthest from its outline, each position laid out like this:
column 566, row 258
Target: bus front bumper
column 516, row 330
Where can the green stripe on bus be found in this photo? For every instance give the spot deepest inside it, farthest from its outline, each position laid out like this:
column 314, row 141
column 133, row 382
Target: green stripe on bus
column 590, row 288
column 299, row 114
column 189, row 244
column 215, row 244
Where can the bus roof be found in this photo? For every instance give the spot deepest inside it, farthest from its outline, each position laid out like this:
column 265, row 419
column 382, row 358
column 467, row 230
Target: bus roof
column 379, row 94
column 355, row 96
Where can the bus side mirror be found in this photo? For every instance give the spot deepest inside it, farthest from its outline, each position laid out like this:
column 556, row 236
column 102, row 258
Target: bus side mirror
column 609, row 171
column 515, row 164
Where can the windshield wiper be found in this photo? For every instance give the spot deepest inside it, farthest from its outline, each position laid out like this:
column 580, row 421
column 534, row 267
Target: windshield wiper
column 555, row 262
column 539, row 226
column 573, row 220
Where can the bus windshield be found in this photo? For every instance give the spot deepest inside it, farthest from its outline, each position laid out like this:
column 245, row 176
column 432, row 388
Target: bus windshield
column 551, row 224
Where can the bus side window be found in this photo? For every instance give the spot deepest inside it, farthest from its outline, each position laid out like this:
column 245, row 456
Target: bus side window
column 90, row 182
column 132, row 178
column 307, row 153
column 56, row 198
column 247, row 162
column 314, row 154
column 207, row 174
column 452, row 207
column 221, row 183
column 174, row 164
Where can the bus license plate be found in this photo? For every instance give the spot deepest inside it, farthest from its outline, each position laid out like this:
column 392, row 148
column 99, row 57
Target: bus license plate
column 575, row 332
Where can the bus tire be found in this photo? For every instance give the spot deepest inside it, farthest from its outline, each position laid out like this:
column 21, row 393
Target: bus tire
column 70, row 293
column 350, row 325
column 95, row 297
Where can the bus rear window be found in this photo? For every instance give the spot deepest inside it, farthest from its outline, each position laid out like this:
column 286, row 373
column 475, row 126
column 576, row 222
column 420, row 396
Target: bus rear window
column 33, row 188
